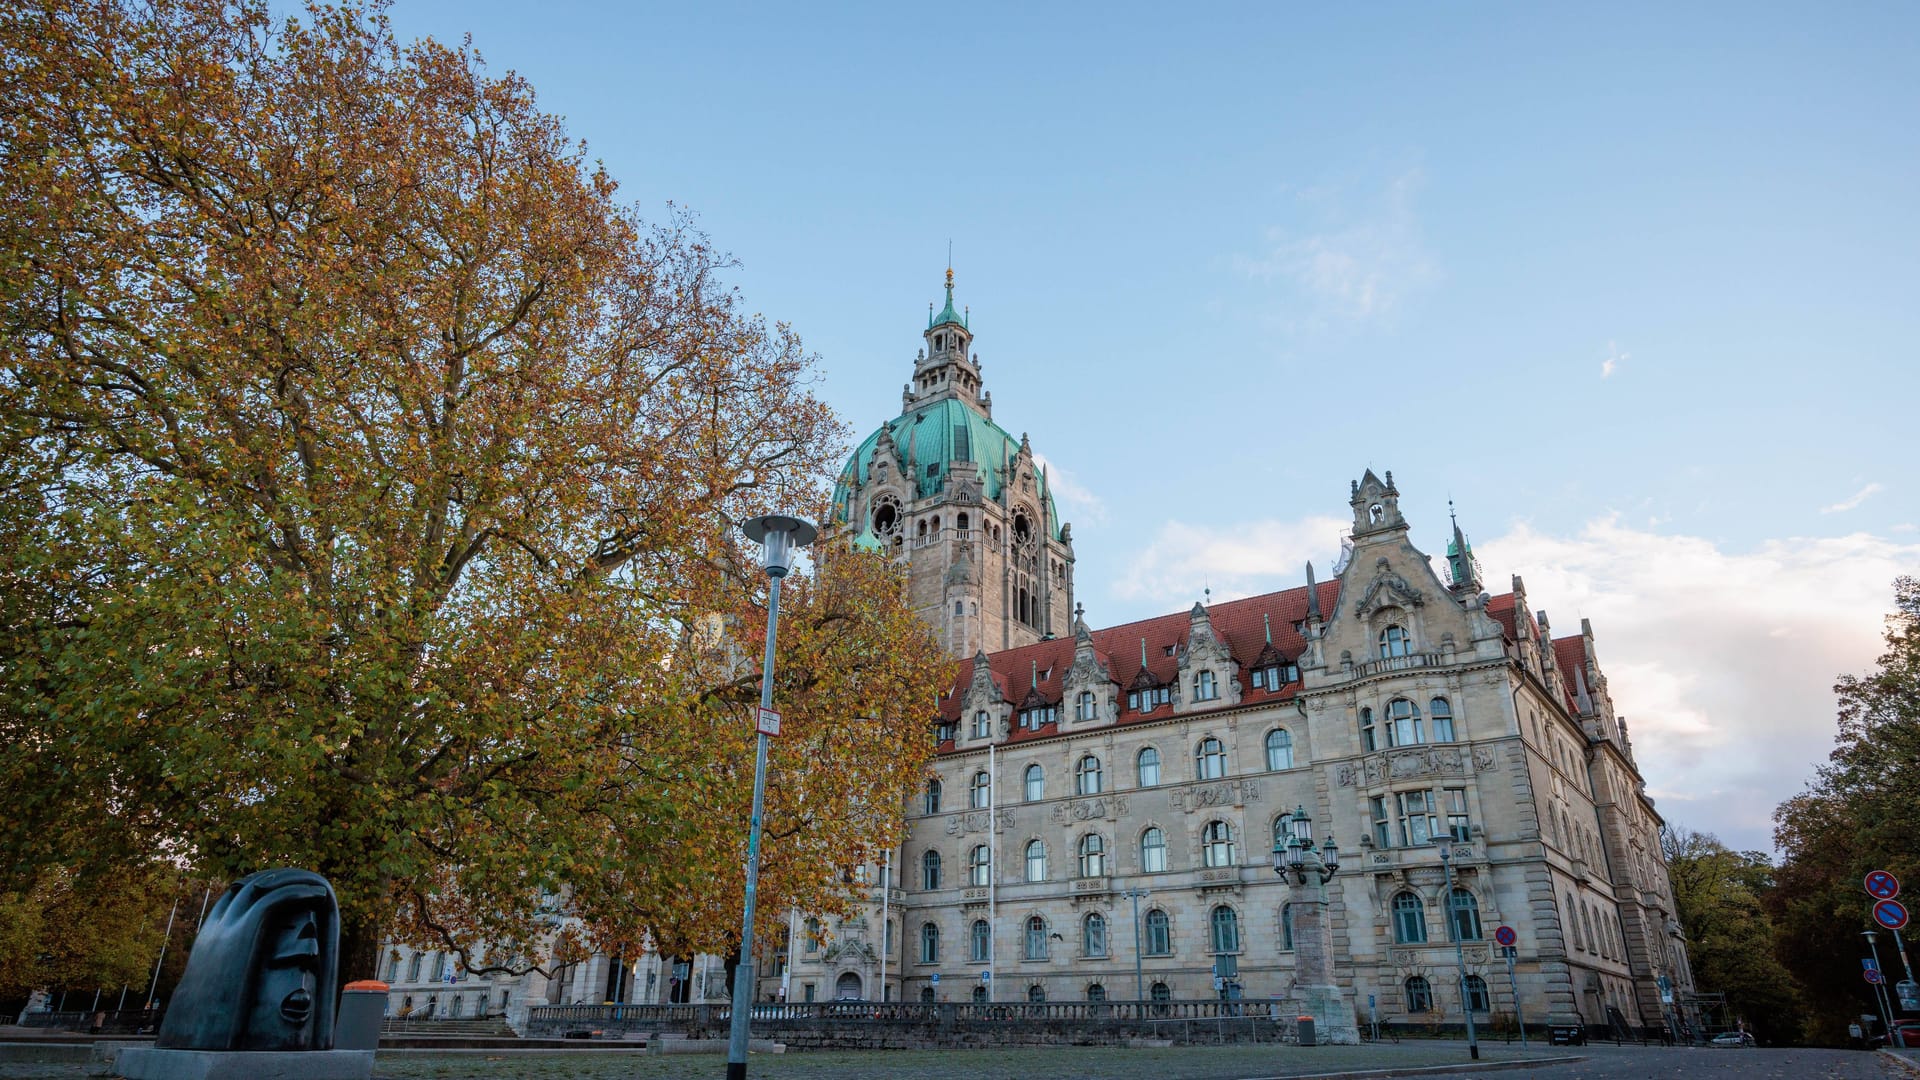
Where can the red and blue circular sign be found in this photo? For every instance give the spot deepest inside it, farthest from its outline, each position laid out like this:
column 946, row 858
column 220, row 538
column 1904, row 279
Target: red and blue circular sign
column 1505, row 935
column 1882, row 885
column 1891, row 914
column 1872, row 975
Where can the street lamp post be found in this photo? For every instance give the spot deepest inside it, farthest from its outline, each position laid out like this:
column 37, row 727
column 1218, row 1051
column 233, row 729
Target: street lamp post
column 1139, row 980
column 1459, row 949
column 1306, row 872
column 779, row 538
column 1880, row 988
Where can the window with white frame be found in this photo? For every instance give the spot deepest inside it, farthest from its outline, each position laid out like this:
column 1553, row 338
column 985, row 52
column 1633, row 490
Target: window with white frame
column 1368, row 738
column 1403, row 723
column 1459, row 825
column 982, row 941
column 1036, row 939
column 979, row 866
column 930, row 870
column 1036, row 860
column 1153, row 851
column 1463, row 916
column 933, row 796
column 982, row 724
column 1394, row 642
column 1093, row 856
column 1035, row 783
column 1148, row 764
column 1216, row 844
column 978, row 790
column 1279, row 749
column 1084, row 706
column 1093, row 934
column 1417, row 820
column 1150, row 698
column 929, row 943
column 1442, row 716
column 1086, row 776
column 1204, row 688
column 1226, row 930
column 1409, row 919
column 1210, row 759
column 1477, row 999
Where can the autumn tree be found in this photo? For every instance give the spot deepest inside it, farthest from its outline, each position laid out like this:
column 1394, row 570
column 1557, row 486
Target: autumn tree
column 1856, row 815
column 1732, row 943
column 370, row 473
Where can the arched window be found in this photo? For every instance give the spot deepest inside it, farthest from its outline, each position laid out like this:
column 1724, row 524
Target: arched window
column 979, row 866
column 1210, row 759
column 1159, row 933
column 1036, row 861
column 1159, row 992
column 929, row 944
column 1442, row 715
column 1226, row 930
column 1279, row 749
column 813, row 935
column 1419, row 994
column 1036, row 783
column 1149, row 766
column 930, row 870
column 1036, row 993
column 926, row 993
column 1086, row 776
column 982, row 940
column 1216, row 844
column 933, row 796
column 1463, row 916
column 1204, row 688
column 1403, row 723
column 960, row 522
column 1409, row 919
column 978, row 790
column 979, row 994
column 1477, row 999
column 1093, row 856
column 1036, row 939
column 1093, row 934
column 1096, row 992
column 1153, row 852
column 1368, row 738
column 1286, row 927
column 1084, row 708
column 1393, row 642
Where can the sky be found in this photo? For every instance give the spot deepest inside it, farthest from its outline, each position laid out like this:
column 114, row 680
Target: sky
column 1633, row 286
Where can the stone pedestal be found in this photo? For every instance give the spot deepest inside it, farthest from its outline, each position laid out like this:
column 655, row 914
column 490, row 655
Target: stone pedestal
column 153, row 1063
column 1333, row 1022
column 1315, row 991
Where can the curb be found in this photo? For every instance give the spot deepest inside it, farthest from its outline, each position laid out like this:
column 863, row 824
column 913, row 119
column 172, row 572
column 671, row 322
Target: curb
column 1905, row 1064
column 1430, row 1070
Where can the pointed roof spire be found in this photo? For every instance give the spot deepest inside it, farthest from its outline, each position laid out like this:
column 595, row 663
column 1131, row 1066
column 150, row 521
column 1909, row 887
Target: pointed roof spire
column 1460, row 561
column 947, row 314
column 1267, row 622
column 1313, row 594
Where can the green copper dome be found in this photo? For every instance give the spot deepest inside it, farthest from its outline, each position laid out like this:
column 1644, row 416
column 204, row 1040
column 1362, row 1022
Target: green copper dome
column 947, row 314
column 933, row 437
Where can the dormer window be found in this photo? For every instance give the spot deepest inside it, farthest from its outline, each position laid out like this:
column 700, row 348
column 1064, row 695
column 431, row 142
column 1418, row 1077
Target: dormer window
column 1275, row 676
column 1393, row 642
column 1147, row 700
column 1204, row 688
column 1033, row 718
column 1084, row 708
column 982, row 724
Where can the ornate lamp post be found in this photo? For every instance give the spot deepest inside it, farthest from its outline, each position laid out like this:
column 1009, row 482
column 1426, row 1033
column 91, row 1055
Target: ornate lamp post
column 779, row 538
column 1307, row 871
column 1459, row 950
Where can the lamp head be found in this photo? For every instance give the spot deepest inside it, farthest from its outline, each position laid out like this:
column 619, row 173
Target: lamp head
column 1330, row 854
column 1280, row 855
column 1302, row 824
column 780, row 538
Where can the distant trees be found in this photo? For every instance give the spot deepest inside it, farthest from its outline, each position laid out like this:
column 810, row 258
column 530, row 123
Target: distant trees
column 1721, row 896
column 1861, row 812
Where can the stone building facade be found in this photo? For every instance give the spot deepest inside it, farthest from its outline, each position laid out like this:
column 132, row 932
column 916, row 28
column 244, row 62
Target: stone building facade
column 1098, row 788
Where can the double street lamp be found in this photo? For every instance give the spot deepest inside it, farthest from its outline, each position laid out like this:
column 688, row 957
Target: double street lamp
column 780, row 538
column 1292, row 853
column 1445, row 845
column 1307, row 872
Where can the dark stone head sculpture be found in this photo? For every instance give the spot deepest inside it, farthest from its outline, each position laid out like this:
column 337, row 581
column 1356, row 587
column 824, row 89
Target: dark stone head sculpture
column 264, row 970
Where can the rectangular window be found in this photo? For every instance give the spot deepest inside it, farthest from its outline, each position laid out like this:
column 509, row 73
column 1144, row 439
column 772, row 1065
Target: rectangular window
column 1133, row 701
column 1416, row 817
column 1382, row 834
column 807, row 989
column 1458, row 825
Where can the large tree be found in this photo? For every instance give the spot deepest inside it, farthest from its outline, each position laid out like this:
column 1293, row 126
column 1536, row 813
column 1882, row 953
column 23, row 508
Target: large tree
column 1856, row 815
column 1731, row 940
column 370, row 471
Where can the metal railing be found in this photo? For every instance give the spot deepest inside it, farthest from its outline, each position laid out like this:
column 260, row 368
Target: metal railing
column 914, row 1012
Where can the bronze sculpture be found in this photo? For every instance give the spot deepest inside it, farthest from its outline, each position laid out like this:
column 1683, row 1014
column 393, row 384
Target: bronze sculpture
column 264, row 971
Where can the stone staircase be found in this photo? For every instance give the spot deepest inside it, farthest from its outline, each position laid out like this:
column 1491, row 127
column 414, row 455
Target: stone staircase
column 489, row 1027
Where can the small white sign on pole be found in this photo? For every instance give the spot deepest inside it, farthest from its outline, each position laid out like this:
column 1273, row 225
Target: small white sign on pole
column 768, row 722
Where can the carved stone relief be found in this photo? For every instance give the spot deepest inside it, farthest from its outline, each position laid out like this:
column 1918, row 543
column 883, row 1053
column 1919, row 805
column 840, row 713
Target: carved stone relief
column 1231, row 793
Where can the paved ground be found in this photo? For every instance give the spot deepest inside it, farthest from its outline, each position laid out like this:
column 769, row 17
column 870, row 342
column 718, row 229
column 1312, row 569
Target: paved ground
column 1085, row 1063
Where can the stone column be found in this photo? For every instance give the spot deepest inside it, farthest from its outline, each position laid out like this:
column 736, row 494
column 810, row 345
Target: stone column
column 1316, row 992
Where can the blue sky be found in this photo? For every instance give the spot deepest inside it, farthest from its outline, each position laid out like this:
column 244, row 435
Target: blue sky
column 1634, row 286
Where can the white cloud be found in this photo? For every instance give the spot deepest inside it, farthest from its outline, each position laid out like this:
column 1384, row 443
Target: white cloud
column 1354, row 270
column 1852, row 500
column 1722, row 661
column 1615, row 354
column 1078, row 502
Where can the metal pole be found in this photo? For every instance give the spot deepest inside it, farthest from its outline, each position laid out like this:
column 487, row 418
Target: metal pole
column 1139, row 980
column 1880, row 988
column 743, row 974
column 993, row 867
column 793, row 940
column 1460, row 955
column 1514, row 985
column 886, row 896
column 165, row 934
column 1901, row 947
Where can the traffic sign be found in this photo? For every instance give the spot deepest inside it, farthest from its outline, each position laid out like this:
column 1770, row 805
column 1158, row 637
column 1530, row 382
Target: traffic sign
column 1505, row 935
column 1891, row 914
column 1869, row 963
column 986, row 976
column 768, row 722
column 936, row 978
column 1882, row 885
column 1872, row 975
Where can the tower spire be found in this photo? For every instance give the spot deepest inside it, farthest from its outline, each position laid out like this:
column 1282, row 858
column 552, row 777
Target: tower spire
column 1460, row 561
